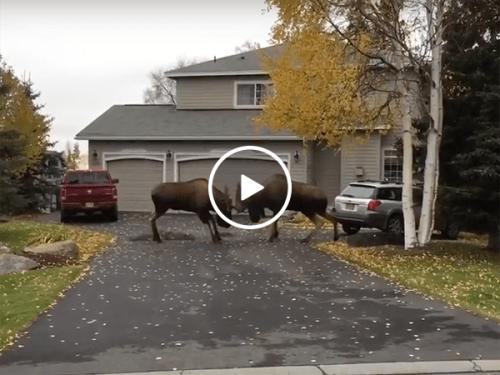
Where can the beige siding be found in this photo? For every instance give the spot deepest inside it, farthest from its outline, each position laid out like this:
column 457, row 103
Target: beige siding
column 309, row 154
column 388, row 140
column 209, row 92
column 364, row 155
column 327, row 171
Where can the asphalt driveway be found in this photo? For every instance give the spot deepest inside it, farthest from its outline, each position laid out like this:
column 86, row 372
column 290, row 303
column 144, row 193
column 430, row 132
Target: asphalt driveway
column 191, row 304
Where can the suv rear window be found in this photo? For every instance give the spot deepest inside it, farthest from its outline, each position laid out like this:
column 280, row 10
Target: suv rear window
column 389, row 194
column 88, row 178
column 358, row 191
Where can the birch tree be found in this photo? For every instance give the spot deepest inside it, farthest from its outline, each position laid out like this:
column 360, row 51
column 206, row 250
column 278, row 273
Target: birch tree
column 434, row 11
column 400, row 40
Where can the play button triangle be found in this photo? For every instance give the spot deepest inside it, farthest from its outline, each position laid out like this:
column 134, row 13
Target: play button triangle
column 249, row 187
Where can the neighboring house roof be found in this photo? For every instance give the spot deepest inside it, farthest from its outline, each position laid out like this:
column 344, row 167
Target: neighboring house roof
column 246, row 63
column 164, row 122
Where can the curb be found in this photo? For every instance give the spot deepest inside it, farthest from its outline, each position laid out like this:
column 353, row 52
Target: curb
column 393, row 368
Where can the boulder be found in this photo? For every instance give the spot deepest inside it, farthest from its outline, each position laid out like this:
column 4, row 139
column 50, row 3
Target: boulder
column 63, row 252
column 10, row 263
column 4, row 249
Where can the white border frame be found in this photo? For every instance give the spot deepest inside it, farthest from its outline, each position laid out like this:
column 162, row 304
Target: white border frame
column 288, row 180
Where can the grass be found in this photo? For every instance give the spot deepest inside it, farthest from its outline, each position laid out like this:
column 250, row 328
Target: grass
column 24, row 295
column 461, row 273
column 20, row 234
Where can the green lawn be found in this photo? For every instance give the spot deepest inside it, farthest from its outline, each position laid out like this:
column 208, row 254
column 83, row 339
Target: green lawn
column 461, row 273
column 19, row 234
column 24, row 295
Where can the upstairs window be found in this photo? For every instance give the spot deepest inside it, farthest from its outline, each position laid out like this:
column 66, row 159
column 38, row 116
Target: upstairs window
column 252, row 94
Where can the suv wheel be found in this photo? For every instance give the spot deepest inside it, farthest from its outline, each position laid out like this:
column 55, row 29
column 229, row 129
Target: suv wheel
column 451, row 231
column 351, row 229
column 395, row 225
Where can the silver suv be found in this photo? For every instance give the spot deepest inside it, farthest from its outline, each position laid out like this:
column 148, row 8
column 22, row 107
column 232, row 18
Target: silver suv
column 378, row 204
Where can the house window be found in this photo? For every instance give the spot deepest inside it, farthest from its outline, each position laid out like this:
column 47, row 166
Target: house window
column 393, row 166
column 251, row 94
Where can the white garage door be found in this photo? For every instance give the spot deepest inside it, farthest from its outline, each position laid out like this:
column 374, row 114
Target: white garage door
column 229, row 172
column 137, row 178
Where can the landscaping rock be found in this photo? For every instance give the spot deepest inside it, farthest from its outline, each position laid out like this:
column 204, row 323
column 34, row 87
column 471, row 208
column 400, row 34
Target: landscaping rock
column 10, row 263
column 4, row 249
column 63, row 252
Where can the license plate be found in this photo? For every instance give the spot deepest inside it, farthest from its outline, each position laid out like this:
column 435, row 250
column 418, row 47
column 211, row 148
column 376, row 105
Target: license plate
column 350, row 206
column 89, row 204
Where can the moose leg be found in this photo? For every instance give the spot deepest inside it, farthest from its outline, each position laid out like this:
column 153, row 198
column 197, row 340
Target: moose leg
column 274, row 230
column 316, row 219
column 217, row 235
column 156, row 235
column 206, row 218
column 330, row 218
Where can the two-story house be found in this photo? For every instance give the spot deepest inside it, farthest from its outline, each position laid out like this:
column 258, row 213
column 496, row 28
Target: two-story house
column 143, row 145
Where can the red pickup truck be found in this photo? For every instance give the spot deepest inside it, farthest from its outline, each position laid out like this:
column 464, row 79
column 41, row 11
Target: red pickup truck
column 89, row 191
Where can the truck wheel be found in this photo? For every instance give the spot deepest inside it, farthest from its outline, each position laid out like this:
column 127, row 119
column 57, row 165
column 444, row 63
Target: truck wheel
column 64, row 215
column 113, row 214
column 395, row 225
column 351, row 229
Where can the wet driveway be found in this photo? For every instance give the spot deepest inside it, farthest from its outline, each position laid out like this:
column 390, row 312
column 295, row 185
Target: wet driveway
column 191, row 304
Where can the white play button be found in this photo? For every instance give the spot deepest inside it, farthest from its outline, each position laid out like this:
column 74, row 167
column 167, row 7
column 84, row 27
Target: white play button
column 249, row 187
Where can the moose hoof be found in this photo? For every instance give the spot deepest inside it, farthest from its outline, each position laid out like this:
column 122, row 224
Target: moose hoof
column 305, row 240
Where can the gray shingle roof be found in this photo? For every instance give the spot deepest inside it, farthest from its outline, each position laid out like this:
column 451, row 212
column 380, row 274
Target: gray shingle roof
column 240, row 64
column 164, row 122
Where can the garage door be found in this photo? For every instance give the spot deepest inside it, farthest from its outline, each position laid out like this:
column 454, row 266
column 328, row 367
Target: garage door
column 229, row 171
column 137, row 178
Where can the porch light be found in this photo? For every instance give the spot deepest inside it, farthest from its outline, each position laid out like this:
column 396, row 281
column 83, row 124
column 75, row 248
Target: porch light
column 169, row 155
column 95, row 154
column 296, row 156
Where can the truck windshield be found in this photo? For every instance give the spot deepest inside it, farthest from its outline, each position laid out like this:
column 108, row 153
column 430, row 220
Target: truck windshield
column 88, row 178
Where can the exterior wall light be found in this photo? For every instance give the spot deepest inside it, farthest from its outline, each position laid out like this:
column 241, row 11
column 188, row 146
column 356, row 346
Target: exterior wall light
column 296, row 156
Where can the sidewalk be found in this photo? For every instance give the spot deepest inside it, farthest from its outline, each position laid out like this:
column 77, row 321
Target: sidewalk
column 491, row 367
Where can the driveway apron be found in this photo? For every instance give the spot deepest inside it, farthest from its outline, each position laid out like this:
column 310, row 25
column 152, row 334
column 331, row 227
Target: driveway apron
column 192, row 304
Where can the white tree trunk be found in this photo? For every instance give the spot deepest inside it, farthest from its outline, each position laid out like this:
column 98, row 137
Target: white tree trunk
column 431, row 172
column 404, row 107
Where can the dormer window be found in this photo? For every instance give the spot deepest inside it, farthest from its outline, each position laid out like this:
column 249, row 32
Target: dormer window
column 251, row 94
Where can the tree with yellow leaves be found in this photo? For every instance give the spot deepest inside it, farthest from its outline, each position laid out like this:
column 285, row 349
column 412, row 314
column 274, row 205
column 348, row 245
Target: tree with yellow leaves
column 19, row 112
column 321, row 89
column 24, row 139
column 346, row 68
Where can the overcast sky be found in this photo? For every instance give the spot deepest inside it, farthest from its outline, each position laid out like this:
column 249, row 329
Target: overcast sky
column 86, row 55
